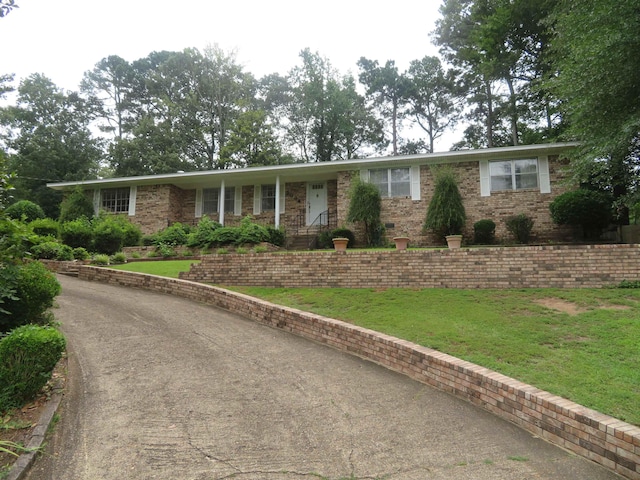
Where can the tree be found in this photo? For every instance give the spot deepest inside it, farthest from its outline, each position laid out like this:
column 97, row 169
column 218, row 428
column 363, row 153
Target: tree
column 75, row 206
column 431, row 94
column 389, row 89
column 49, row 132
column 597, row 78
column 365, row 206
column 6, row 6
column 445, row 213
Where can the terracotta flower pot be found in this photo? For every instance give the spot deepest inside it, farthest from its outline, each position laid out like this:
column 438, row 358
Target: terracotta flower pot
column 454, row 241
column 340, row 244
column 401, row 242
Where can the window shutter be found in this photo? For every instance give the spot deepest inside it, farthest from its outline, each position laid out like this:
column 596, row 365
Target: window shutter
column 132, row 200
column 237, row 203
column 198, row 202
column 543, row 174
column 257, row 199
column 415, row 182
column 96, row 201
column 485, row 179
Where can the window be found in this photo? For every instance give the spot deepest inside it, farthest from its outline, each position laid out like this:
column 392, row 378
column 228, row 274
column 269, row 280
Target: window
column 211, row 200
column 115, row 200
column 268, row 202
column 513, row 175
column 392, row 182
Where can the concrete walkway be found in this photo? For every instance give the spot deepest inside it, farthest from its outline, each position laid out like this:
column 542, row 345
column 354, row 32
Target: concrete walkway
column 161, row 387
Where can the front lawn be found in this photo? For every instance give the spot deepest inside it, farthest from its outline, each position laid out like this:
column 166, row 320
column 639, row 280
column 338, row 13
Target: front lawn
column 163, row 268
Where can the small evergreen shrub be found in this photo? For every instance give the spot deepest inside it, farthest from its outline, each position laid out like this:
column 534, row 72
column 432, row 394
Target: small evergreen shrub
column 52, row 251
column 202, row 235
column 276, row 236
column 100, row 259
column 25, row 210
column 45, row 227
column 365, row 206
column 119, row 257
column 28, row 356
column 131, row 234
column 80, row 253
column 445, row 213
column 520, row 227
column 484, row 232
column 108, row 235
column 173, row 235
column 35, row 288
column 226, row 236
column 166, row 250
column 76, row 205
column 77, row 233
column 587, row 209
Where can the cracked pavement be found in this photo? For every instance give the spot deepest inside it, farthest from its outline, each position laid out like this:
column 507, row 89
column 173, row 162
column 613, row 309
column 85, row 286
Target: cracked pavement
column 162, row 387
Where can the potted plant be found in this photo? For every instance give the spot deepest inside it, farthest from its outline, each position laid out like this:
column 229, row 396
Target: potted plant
column 446, row 215
column 340, row 243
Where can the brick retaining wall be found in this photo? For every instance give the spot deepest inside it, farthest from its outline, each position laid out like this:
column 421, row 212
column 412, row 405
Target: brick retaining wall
column 601, row 438
column 558, row 266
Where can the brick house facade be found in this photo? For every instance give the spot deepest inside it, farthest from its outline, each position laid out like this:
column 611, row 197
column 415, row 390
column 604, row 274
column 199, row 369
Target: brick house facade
column 495, row 183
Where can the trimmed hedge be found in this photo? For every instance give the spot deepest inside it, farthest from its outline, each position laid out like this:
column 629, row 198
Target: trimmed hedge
column 28, row 356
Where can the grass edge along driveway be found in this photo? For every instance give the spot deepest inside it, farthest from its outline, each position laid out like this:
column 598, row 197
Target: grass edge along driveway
column 580, row 344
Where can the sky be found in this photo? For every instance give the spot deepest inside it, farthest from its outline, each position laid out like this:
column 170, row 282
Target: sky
column 62, row 40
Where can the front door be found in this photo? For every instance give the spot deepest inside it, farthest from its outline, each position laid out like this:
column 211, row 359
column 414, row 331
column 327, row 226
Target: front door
column 316, row 203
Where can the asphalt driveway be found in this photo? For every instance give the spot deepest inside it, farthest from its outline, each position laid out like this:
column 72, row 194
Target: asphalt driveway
column 162, row 387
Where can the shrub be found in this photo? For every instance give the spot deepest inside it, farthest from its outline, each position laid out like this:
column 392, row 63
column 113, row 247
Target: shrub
column 174, row 235
column 100, row 259
column 52, row 251
column 75, row 206
column 35, row 288
column 131, row 234
column 28, row 356
column 119, row 257
column 251, row 233
column 77, row 233
column 25, row 210
column 241, row 250
column 484, row 232
column 226, row 235
column 260, row 249
column 365, row 206
column 80, row 253
column 148, row 240
column 445, row 214
column 520, row 227
column 165, row 250
column 276, row 236
column 108, row 235
column 326, row 237
column 202, row 235
column 587, row 209
column 45, row 227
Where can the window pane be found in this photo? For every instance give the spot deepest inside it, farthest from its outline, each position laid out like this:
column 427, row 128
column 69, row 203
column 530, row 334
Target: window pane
column 526, row 166
column 229, row 199
column 210, row 200
column 115, row 199
column 502, row 182
column 500, row 168
column 400, row 182
column 526, row 181
column 526, row 173
column 379, row 178
column 268, row 198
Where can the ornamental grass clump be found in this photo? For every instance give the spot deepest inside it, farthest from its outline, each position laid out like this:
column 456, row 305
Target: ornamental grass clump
column 446, row 214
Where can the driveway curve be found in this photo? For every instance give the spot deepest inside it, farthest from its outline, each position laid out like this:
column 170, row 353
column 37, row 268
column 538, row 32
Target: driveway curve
column 162, row 387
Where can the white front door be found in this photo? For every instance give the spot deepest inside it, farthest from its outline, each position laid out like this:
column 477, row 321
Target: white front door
column 316, row 202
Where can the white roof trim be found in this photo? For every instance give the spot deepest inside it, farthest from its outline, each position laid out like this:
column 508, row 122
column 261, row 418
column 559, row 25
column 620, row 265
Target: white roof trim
column 237, row 176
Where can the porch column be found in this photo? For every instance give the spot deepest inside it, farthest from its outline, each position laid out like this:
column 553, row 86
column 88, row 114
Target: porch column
column 221, row 204
column 277, row 220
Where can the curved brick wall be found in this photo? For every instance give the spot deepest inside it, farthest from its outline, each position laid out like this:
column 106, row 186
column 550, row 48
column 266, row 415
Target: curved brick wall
column 601, row 438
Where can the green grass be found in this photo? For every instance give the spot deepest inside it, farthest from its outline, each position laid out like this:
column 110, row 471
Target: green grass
column 166, row 268
column 592, row 358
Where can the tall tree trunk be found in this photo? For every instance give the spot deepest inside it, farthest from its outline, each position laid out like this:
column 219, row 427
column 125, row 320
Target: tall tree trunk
column 394, row 127
column 514, row 111
column 489, row 113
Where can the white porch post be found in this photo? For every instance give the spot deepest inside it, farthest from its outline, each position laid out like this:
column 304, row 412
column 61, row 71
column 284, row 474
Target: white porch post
column 221, row 204
column 277, row 202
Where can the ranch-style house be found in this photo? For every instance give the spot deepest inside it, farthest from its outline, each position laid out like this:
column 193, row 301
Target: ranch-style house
column 495, row 184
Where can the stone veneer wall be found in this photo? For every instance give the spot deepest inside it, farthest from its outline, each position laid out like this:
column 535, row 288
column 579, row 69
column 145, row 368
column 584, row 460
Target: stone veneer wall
column 564, row 266
column 598, row 437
